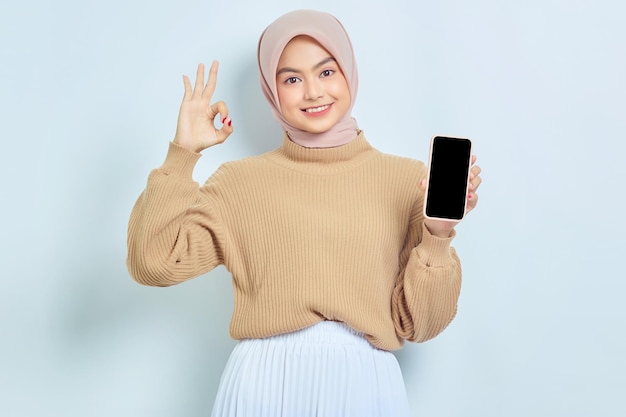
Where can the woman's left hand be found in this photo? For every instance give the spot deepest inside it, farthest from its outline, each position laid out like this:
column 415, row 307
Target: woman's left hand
column 443, row 228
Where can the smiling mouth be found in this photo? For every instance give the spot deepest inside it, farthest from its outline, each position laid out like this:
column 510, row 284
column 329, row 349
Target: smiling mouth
column 317, row 109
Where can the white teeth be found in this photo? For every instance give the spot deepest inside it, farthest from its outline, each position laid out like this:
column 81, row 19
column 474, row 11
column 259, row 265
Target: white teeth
column 317, row 109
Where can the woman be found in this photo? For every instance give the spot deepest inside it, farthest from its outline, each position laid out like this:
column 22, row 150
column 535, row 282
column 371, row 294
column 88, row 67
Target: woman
column 333, row 264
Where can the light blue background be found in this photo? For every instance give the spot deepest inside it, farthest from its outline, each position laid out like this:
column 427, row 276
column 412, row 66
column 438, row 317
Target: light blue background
column 89, row 98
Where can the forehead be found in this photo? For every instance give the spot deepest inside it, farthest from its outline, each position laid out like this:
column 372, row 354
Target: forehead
column 302, row 49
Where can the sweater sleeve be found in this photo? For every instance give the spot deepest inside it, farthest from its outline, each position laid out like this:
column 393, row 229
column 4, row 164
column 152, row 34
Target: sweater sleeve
column 425, row 297
column 174, row 232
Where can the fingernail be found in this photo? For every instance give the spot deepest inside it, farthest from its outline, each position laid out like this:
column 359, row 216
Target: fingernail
column 223, row 120
column 230, row 123
column 469, row 196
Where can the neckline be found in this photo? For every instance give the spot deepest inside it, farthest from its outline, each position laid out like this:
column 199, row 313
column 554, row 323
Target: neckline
column 323, row 161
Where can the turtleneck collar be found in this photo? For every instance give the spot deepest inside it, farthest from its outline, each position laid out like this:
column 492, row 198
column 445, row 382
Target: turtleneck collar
column 323, row 160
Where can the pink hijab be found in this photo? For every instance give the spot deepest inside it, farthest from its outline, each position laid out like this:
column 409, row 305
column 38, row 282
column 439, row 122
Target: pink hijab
column 330, row 33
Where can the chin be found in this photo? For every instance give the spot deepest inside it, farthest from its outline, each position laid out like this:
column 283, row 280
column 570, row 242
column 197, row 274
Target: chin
column 316, row 127
column 320, row 130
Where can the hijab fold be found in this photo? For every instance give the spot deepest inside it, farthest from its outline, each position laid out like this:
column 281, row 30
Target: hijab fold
column 331, row 34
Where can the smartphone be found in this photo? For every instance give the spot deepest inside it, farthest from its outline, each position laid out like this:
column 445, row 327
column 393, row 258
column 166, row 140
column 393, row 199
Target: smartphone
column 447, row 184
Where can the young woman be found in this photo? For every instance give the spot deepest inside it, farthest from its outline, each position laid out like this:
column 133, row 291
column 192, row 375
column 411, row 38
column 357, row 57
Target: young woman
column 333, row 264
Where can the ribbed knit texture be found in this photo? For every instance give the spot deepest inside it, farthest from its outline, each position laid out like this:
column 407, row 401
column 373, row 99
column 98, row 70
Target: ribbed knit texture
column 308, row 235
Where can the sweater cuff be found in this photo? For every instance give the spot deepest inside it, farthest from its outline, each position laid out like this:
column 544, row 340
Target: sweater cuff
column 433, row 250
column 179, row 161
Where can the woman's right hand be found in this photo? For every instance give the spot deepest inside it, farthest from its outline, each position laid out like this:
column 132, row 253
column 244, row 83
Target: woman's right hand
column 196, row 129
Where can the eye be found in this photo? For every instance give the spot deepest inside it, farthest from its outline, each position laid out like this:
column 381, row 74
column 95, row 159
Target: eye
column 291, row 80
column 327, row 73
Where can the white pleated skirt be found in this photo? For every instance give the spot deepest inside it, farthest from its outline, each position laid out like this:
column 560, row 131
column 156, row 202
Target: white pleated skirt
column 326, row 370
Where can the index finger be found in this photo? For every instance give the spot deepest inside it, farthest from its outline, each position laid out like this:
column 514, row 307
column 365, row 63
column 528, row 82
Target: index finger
column 211, row 82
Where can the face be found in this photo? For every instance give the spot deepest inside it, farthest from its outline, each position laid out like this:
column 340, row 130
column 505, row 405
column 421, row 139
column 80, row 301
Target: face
column 312, row 90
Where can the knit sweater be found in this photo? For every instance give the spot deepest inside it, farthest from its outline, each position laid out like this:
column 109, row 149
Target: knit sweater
column 308, row 234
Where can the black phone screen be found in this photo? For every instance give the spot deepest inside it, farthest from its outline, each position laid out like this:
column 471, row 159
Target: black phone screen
column 448, row 176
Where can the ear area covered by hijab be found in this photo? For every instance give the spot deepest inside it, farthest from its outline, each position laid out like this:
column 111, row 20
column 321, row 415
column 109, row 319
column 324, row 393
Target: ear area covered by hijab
column 331, row 34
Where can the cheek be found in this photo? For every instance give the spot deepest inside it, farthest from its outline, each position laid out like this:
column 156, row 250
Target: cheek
column 340, row 89
column 285, row 98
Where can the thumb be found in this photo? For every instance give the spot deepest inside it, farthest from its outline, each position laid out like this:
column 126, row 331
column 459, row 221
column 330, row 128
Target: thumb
column 422, row 185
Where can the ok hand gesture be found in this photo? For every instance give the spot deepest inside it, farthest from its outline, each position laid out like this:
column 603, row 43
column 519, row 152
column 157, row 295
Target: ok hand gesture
column 196, row 129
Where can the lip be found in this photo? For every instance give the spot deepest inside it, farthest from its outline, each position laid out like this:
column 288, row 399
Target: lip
column 318, row 113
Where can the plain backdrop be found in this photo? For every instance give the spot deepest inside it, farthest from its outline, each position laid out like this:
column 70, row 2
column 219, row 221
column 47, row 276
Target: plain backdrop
column 89, row 96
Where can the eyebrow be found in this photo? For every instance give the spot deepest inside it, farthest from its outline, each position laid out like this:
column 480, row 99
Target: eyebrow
column 319, row 64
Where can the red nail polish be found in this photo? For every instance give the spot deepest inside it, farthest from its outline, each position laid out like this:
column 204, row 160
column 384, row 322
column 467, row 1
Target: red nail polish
column 469, row 196
column 230, row 123
column 223, row 120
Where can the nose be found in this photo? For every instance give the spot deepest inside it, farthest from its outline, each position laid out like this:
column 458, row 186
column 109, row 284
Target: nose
column 313, row 90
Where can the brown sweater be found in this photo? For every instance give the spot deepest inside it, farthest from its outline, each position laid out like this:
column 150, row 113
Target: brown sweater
column 308, row 235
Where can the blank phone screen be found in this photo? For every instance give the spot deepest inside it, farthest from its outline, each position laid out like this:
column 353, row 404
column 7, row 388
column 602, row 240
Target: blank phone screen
column 447, row 184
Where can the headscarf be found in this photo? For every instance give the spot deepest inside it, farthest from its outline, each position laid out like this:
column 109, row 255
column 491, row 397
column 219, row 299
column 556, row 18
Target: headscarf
column 330, row 33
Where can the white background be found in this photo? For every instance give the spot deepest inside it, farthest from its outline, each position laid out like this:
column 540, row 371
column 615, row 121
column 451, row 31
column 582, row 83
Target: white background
column 89, row 98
